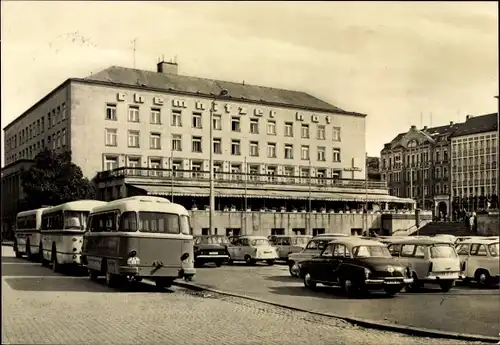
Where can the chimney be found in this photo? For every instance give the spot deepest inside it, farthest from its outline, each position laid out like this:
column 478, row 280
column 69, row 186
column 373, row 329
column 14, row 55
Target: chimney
column 425, row 128
column 468, row 117
column 451, row 123
column 413, row 127
column 167, row 67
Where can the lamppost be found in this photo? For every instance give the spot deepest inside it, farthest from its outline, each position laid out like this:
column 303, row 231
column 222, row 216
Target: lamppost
column 222, row 93
column 498, row 153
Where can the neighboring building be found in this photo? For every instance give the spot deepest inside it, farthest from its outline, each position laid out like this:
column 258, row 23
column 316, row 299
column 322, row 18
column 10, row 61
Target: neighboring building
column 373, row 168
column 475, row 162
column 416, row 164
column 144, row 132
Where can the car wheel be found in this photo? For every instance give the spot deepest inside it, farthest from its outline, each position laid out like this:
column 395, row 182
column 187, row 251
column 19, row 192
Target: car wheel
column 415, row 285
column 308, row 282
column 446, row 285
column 218, row 263
column 248, row 260
column 270, row 262
column 293, row 268
column 482, row 278
column 93, row 274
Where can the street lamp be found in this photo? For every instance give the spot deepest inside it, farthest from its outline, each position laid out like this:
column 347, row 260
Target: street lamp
column 222, row 93
column 498, row 153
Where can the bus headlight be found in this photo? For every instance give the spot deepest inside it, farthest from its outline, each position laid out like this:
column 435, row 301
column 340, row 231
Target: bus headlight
column 133, row 261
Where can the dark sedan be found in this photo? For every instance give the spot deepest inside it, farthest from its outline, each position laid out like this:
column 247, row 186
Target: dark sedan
column 210, row 248
column 356, row 265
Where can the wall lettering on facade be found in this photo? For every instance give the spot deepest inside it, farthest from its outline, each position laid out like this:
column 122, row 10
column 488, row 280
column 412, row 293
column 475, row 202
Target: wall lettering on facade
column 200, row 105
column 242, row 110
column 299, row 116
column 328, row 119
column 138, row 98
column 228, row 108
column 215, row 106
column 158, row 101
column 258, row 112
column 178, row 103
column 120, row 96
column 272, row 113
column 315, row 118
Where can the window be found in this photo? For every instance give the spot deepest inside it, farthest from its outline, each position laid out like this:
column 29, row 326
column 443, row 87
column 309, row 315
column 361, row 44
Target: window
column 38, row 131
column 217, row 122
column 235, row 147
column 336, row 155
column 111, row 136
column 110, row 162
column 288, row 151
column 235, row 124
column 340, row 251
column 304, row 152
column 217, row 145
column 321, row 153
column 288, row 129
column 196, row 168
column 133, row 114
column 63, row 112
column 53, row 117
column 271, row 150
column 155, row 116
column 328, row 251
column 321, row 174
column 407, row 250
column 155, row 141
column 271, row 127
column 134, row 162
column 176, row 142
column 253, row 171
column 42, row 126
column 159, row 222
column 176, row 118
column 133, row 138
column 442, row 251
column 58, row 114
column 336, row 134
column 304, row 131
column 196, row 144
column 155, row 163
column 321, row 132
column 478, row 250
column 236, row 171
column 58, row 139
column 254, row 148
column 254, row 126
column 197, row 120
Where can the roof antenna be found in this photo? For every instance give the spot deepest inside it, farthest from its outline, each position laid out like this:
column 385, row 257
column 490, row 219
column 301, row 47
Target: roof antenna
column 163, row 57
column 431, row 118
column 134, row 42
column 243, row 82
column 175, row 59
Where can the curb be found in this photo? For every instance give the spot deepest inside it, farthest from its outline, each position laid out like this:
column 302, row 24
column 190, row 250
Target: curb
column 8, row 244
column 409, row 330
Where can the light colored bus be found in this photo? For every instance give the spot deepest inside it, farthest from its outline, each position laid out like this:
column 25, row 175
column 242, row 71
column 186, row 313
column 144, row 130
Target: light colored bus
column 139, row 237
column 27, row 234
column 63, row 227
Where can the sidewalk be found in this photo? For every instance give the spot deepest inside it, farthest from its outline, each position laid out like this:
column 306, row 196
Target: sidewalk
column 8, row 243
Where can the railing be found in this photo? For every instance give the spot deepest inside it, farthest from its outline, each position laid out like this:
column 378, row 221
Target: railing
column 198, row 175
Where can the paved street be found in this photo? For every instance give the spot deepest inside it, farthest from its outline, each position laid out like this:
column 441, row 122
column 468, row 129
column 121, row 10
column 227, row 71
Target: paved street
column 463, row 309
column 40, row 307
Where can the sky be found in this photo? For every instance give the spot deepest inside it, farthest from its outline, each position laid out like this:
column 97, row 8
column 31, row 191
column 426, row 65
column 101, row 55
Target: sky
column 400, row 63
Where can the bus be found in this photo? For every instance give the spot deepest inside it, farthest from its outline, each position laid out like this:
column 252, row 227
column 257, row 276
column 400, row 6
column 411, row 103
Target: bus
column 27, row 233
column 63, row 227
column 139, row 237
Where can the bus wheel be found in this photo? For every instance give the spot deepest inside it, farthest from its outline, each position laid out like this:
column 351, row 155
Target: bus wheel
column 93, row 274
column 16, row 250
column 55, row 264
column 29, row 256
column 113, row 280
column 163, row 283
column 40, row 254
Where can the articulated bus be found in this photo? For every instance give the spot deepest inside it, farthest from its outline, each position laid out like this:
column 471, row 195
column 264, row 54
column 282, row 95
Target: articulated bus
column 63, row 227
column 139, row 237
column 27, row 234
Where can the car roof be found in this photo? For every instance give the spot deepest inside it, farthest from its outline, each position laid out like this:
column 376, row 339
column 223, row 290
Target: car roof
column 254, row 237
column 210, row 236
column 424, row 241
column 481, row 240
column 279, row 236
column 357, row 241
column 333, row 234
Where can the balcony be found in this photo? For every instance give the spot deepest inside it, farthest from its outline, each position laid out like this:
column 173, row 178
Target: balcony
column 238, row 177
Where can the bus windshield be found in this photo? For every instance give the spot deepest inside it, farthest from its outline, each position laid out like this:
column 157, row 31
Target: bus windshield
column 75, row 220
column 161, row 222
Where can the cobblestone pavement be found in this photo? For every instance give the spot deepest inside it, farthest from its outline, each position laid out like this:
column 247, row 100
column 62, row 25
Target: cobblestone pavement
column 464, row 309
column 40, row 307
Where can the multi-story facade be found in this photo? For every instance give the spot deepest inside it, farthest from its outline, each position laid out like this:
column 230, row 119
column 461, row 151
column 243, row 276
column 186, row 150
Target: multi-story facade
column 144, row 132
column 373, row 168
column 474, row 168
column 416, row 165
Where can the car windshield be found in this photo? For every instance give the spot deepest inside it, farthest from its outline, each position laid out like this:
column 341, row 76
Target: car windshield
column 318, row 244
column 442, row 251
column 494, row 249
column 300, row 240
column 371, row 252
column 212, row 240
column 259, row 242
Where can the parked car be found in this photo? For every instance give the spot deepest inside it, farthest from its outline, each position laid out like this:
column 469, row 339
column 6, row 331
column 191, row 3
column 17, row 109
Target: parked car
column 252, row 249
column 286, row 245
column 314, row 247
column 431, row 261
column 450, row 238
column 479, row 260
column 356, row 265
column 210, row 248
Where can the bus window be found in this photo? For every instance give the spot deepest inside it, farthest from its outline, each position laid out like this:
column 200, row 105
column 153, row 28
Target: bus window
column 128, row 222
column 185, row 225
column 159, row 222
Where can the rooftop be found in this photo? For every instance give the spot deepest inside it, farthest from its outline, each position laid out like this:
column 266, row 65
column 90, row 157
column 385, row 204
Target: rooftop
column 477, row 124
column 171, row 82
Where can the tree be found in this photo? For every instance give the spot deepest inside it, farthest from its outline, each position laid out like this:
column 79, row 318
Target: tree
column 52, row 180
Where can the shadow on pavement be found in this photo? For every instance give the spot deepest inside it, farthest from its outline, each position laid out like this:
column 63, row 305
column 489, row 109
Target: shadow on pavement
column 283, row 278
column 324, row 292
column 13, row 260
column 69, row 284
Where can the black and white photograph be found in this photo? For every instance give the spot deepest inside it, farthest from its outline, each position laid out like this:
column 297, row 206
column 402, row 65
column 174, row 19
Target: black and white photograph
column 250, row 172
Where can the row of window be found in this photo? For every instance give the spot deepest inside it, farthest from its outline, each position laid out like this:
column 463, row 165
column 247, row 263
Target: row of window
column 476, row 144
column 473, row 160
column 37, row 128
column 111, row 162
column 54, row 141
column 415, row 175
column 474, row 176
column 484, row 190
column 197, row 123
column 155, row 142
column 415, row 191
column 413, row 159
